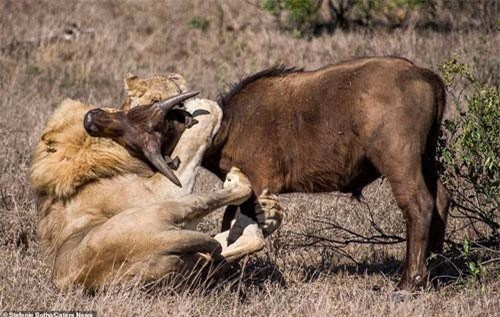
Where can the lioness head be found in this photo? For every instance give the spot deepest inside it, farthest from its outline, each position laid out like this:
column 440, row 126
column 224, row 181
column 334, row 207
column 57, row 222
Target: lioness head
column 143, row 92
column 150, row 122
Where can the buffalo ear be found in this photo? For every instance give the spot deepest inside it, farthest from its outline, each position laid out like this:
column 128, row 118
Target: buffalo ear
column 176, row 122
column 103, row 124
column 182, row 116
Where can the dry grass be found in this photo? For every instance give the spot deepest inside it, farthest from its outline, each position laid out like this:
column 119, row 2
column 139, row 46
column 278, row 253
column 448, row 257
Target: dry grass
column 38, row 69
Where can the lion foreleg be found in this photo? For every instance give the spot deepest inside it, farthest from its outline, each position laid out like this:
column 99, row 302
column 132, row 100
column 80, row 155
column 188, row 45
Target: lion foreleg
column 236, row 189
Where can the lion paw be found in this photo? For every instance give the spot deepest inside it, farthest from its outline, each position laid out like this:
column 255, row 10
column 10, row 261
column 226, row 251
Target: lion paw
column 239, row 184
column 269, row 212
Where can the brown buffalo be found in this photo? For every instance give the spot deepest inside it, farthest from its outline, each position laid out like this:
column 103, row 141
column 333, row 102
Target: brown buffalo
column 340, row 128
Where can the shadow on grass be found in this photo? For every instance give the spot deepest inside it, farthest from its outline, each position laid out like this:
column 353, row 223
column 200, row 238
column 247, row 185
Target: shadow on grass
column 238, row 279
column 460, row 263
column 455, row 267
column 261, row 272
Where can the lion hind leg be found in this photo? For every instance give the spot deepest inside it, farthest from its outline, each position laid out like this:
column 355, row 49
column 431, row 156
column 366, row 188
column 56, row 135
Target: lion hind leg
column 184, row 254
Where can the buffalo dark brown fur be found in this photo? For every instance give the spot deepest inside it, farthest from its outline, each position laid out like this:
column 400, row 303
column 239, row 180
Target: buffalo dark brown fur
column 340, row 128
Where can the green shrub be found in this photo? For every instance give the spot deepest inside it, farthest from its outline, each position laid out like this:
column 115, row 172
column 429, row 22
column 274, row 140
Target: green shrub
column 469, row 148
column 300, row 13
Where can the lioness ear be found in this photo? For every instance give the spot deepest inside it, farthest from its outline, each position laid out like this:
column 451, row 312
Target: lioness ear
column 178, row 80
column 131, row 82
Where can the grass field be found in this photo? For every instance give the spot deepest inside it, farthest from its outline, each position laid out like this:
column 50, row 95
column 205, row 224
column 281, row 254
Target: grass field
column 50, row 50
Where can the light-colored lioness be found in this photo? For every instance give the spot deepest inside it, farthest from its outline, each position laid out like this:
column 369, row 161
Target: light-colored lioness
column 107, row 215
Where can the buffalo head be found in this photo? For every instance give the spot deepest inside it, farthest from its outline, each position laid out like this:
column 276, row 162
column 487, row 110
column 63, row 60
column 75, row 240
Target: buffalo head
column 150, row 132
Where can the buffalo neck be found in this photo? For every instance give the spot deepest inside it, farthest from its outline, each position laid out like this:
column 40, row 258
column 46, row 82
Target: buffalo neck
column 212, row 157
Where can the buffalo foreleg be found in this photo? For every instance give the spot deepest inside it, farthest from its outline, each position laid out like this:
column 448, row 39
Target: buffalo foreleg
column 251, row 239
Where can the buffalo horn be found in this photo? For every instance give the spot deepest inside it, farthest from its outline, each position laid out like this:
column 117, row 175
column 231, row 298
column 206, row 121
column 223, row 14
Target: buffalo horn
column 157, row 160
column 166, row 104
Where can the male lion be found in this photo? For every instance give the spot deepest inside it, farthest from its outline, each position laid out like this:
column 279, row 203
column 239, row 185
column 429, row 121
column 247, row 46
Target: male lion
column 107, row 211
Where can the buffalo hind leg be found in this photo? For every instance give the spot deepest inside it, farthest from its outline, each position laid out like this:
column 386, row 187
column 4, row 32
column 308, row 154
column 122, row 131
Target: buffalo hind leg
column 229, row 216
column 439, row 219
column 231, row 212
column 417, row 204
column 440, row 212
column 405, row 175
column 253, row 233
